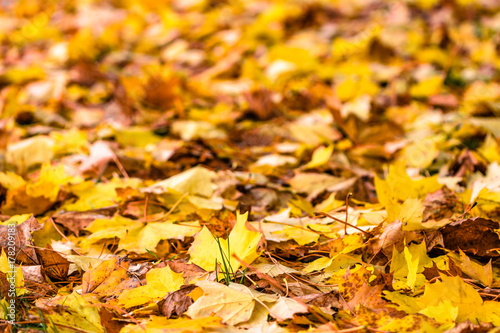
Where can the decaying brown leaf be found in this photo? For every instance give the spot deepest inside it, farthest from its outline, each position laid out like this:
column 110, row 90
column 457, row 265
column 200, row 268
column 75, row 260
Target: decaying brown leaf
column 476, row 236
column 53, row 264
column 23, row 241
column 177, row 302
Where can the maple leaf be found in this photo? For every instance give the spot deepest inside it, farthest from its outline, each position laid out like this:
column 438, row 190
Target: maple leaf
column 133, row 133
column 159, row 282
column 320, row 156
column 484, row 274
column 110, row 277
column 234, row 303
column 398, row 186
column 77, row 313
column 241, row 243
column 25, row 153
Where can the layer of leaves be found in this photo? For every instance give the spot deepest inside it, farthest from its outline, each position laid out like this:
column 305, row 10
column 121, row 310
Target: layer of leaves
column 272, row 166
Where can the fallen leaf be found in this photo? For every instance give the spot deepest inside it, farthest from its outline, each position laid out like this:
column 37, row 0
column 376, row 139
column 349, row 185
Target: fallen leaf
column 320, row 157
column 476, row 271
column 159, row 282
column 286, row 308
column 23, row 241
column 196, row 181
column 177, row 302
column 242, row 243
column 475, row 235
column 77, row 313
column 53, row 264
column 158, row 324
column 107, row 278
column 411, row 214
column 29, row 152
column 233, row 303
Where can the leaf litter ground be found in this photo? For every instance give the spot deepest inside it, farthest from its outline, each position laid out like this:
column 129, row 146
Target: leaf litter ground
column 270, row 166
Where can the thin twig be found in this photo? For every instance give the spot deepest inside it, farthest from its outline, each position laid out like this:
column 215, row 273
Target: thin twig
column 346, row 211
column 344, row 222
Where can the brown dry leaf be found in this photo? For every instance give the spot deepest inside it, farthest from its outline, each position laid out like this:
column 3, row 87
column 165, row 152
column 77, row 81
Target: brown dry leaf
column 4, row 285
column 326, row 300
column 476, row 236
column 177, row 302
column 110, row 321
column 189, row 271
column 78, row 221
column 53, row 264
column 393, row 235
column 23, row 241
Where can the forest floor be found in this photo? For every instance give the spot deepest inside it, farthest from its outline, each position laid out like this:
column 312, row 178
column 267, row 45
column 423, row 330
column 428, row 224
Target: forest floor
column 270, row 166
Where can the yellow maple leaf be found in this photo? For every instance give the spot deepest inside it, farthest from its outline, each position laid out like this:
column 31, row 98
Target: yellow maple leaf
column 49, row 182
column 475, row 270
column 11, row 180
column 79, row 312
column 69, row 142
column 301, row 235
column 141, row 240
column 29, row 152
column 320, row 157
column 93, row 196
column 461, row 300
column 197, row 181
column 159, row 282
column 242, row 243
column 407, row 266
column 398, row 187
column 411, row 214
column 136, row 137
